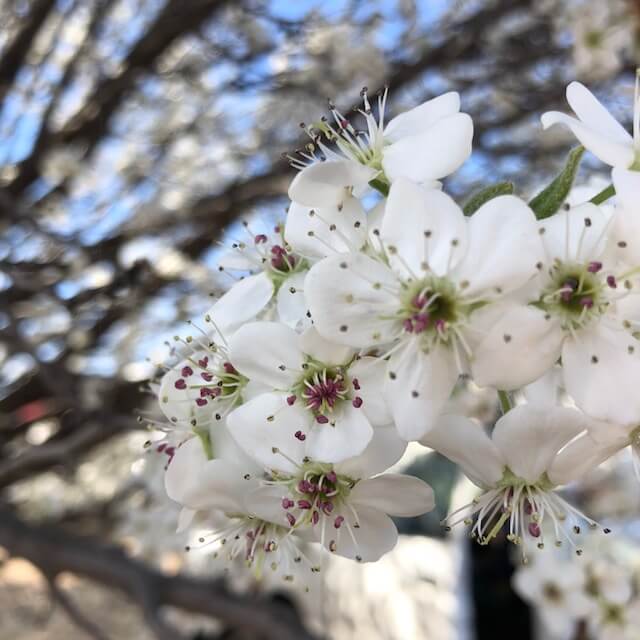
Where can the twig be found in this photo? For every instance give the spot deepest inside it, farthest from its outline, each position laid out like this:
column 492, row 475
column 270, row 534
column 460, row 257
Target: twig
column 74, row 613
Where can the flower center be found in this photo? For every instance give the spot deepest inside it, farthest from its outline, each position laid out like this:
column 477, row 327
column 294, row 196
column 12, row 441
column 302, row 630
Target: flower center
column 213, row 379
column 323, row 389
column 431, row 307
column 522, row 506
column 316, row 492
column 281, row 263
column 552, row 592
column 578, row 293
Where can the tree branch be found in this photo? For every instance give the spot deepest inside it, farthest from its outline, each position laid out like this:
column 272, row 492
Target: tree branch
column 55, row 551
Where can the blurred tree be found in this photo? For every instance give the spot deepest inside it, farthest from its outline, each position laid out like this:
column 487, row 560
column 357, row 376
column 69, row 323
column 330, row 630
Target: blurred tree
column 133, row 136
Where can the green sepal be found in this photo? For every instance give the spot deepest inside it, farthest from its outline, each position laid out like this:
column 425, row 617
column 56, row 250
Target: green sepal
column 486, row 194
column 380, row 185
column 205, row 440
column 550, row 199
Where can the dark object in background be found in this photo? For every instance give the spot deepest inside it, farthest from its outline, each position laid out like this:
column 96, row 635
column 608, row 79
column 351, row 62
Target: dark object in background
column 499, row 612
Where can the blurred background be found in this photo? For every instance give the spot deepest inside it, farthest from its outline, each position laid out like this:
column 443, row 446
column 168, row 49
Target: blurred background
column 134, row 136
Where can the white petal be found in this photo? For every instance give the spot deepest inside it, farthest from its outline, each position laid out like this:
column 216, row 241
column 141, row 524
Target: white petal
column 374, row 223
column 517, row 344
column 578, row 458
column 422, row 117
column 375, row 534
column 394, row 494
column 530, row 437
column 594, row 114
column 624, row 236
column 467, row 444
column 324, row 231
column 267, row 352
column 350, row 296
column 370, row 373
column 347, row 437
column 268, row 423
column 198, row 483
column 325, row 184
column 601, row 374
column 243, row 302
column 419, row 387
column 423, row 228
column 322, row 350
column 546, row 390
column 584, row 226
column 291, row 303
column 610, row 151
column 185, row 518
column 504, row 248
column 384, row 450
column 266, row 503
column 432, row 154
column 179, row 405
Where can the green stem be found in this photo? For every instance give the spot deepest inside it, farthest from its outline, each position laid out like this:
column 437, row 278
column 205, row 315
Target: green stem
column 380, row 185
column 604, row 195
column 505, row 401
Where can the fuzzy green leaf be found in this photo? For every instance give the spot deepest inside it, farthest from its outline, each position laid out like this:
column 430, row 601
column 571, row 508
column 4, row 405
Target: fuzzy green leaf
column 550, row 199
column 486, row 194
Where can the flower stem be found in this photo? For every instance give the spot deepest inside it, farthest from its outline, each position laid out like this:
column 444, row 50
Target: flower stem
column 604, row 195
column 505, row 401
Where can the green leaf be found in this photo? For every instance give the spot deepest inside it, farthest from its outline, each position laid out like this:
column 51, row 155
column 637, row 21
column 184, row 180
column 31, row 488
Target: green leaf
column 604, row 195
column 486, row 194
column 380, row 185
column 550, row 199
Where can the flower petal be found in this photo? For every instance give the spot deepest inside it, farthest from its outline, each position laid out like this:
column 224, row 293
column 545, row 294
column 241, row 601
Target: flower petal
column 575, row 235
column 423, row 229
column 467, row 444
column 291, row 303
column 624, row 236
column 608, row 150
column 350, row 298
column 198, row 483
column 601, row 373
column 265, row 429
column 594, row 114
column 529, row 437
column 579, row 457
column 346, row 435
column 384, row 450
column 374, row 534
column 370, row 373
column 326, row 184
column 394, row 494
column 320, row 232
column 418, row 386
column 432, row 154
column 422, row 117
column 504, row 248
column 517, row 344
column 324, row 351
column 243, row 302
column 267, row 352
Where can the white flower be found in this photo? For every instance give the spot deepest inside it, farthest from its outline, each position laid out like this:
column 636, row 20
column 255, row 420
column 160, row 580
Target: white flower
column 218, row 487
column 341, row 505
column 556, row 589
column 617, row 622
column 421, row 298
column 586, row 313
column 424, row 144
column 322, row 400
column 596, row 129
column 276, row 272
column 530, row 453
column 608, row 581
column 320, row 232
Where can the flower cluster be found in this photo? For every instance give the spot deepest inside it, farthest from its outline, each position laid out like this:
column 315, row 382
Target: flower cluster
column 353, row 322
column 600, row 592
